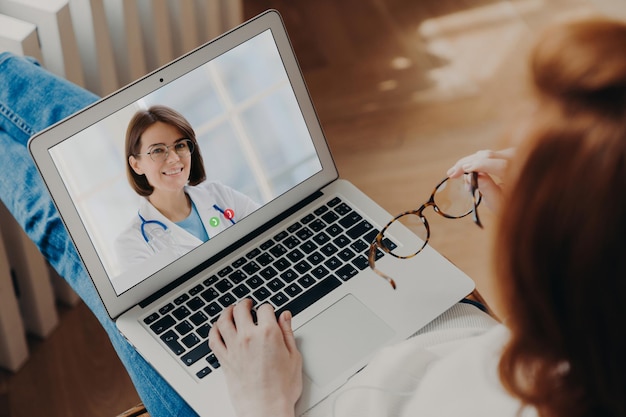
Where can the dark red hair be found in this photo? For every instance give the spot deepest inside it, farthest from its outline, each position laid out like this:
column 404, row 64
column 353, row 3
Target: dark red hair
column 560, row 250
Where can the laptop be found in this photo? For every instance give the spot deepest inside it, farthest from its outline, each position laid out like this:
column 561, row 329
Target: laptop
column 303, row 248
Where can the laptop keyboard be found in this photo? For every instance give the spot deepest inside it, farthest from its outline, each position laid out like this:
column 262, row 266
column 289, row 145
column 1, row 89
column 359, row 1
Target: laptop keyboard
column 291, row 271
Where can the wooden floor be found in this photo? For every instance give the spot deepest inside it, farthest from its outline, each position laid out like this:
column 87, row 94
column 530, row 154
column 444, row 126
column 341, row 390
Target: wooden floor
column 403, row 88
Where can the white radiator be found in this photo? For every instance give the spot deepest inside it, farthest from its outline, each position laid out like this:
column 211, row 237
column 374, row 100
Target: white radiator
column 105, row 44
column 101, row 45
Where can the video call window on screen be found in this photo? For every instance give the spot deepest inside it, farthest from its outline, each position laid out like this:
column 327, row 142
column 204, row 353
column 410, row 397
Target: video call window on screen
column 248, row 125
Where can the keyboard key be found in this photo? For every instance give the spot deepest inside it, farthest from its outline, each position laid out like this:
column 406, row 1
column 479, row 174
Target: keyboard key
column 334, row 202
column 237, row 263
column 278, row 250
column 151, row 318
column 224, row 285
column 190, row 340
column 181, row 312
column 313, row 294
column 288, row 275
column 251, row 267
column 307, row 219
column 203, row 331
column 267, row 244
column 196, row 354
column 329, row 249
column 280, row 236
column 308, row 247
column 292, row 290
column 315, row 258
column 265, row 259
column 203, row 372
column 342, row 241
column 162, row 324
column 268, row 273
column 211, row 280
column 291, row 242
column 334, row 230
column 317, row 225
column 346, row 272
column 254, row 282
column 350, row 219
column 360, row 229
column 181, row 299
column 261, row 294
column 343, row 209
column 302, row 267
column 279, row 299
column 213, row 309
column 212, row 359
column 225, row 271
column 330, row 217
column 227, row 299
column 360, row 246
column 198, row 318
column 209, row 295
column 196, row 290
column 253, row 253
column 361, row 262
column 195, row 304
column 282, row 264
column 241, row 291
column 183, row 327
column 295, row 255
column 275, row 284
column 320, row 272
column 304, row 233
column 237, row 277
column 171, row 341
column 306, row 281
column 333, row 263
column 321, row 238
column 166, row 308
column 346, row 254
column 294, row 227
column 320, row 210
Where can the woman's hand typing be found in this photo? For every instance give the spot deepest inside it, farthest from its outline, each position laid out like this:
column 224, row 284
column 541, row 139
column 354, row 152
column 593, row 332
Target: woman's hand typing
column 261, row 361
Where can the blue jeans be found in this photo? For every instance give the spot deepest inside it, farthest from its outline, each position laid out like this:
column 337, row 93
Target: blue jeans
column 32, row 99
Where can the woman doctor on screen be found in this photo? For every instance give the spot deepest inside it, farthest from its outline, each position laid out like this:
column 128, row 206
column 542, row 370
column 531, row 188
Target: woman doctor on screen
column 178, row 210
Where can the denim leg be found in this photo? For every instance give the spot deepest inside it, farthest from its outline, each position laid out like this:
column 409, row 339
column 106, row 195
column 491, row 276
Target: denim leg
column 32, row 99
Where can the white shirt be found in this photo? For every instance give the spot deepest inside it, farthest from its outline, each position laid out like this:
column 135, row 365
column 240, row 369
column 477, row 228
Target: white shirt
column 448, row 370
column 133, row 249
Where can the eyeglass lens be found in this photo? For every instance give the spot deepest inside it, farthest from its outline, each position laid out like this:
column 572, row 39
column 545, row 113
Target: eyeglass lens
column 450, row 199
column 183, row 148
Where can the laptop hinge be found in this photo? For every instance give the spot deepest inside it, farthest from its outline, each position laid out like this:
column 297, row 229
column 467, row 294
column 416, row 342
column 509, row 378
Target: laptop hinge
column 228, row 250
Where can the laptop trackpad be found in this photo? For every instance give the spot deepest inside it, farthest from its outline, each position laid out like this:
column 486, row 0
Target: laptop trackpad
column 338, row 337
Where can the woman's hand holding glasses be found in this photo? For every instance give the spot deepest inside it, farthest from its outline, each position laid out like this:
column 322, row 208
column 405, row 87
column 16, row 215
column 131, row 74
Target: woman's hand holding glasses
column 470, row 181
column 491, row 167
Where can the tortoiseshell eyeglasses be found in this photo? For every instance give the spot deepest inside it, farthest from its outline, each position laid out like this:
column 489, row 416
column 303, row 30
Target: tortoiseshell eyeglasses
column 452, row 198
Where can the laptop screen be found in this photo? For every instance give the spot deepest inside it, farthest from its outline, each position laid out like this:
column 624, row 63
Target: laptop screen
column 254, row 146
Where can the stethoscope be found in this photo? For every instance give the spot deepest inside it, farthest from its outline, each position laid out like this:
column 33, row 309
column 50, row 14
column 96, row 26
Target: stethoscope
column 145, row 222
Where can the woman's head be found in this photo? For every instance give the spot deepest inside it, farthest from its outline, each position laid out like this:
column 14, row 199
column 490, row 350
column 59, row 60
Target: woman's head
column 561, row 246
column 159, row 125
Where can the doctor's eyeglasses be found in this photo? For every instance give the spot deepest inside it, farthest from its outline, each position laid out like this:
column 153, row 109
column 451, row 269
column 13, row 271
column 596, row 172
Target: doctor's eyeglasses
column 452, row 198
column 159, row 153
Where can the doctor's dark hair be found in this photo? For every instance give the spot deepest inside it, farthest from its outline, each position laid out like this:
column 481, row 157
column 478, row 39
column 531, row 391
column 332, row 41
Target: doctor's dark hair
column 140, row 122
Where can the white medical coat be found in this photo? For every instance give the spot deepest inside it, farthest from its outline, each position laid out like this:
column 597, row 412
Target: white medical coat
column 131, row 247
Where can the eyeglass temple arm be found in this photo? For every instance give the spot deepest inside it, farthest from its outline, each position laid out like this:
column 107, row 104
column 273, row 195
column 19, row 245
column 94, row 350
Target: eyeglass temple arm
column 371, row 259
column 474, row 190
